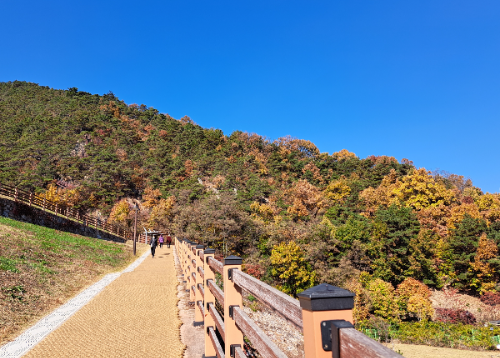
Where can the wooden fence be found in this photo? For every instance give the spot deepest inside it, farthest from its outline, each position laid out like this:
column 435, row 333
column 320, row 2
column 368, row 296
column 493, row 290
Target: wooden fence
column 32, row 199
column 323, row 313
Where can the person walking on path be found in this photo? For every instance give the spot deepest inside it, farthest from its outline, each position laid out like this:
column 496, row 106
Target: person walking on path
column 154, row 242
column 161, row 241
column 169, row 241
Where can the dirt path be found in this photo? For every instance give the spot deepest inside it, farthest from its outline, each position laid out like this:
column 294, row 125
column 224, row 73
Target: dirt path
column 135, row 316
column 414, row 351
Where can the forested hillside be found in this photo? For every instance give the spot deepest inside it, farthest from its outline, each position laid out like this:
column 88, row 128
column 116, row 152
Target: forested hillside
column 298, row 216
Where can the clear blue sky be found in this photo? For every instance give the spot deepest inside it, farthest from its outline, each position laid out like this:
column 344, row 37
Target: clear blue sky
column 409, row 79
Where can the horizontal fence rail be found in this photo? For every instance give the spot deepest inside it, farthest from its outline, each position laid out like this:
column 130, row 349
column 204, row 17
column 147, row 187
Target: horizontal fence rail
column 323, row 313
column 35, row 200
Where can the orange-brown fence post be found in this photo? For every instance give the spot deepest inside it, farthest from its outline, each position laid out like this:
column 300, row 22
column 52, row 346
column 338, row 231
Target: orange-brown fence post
column 180, row 252
column 232, row 297
column 187, row 277
column 183, row 259
column 192, row 270
column 209, row 298
column 31, row 198
column 198, row 314
column 321, row 305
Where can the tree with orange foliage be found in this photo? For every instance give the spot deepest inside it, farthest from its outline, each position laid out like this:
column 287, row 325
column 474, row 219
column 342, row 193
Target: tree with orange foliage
column 151, row 197
column 380, row 196
column 414, row 299
column 304, row 147
column 343, row 154
column 485, row 266
column 305, row 199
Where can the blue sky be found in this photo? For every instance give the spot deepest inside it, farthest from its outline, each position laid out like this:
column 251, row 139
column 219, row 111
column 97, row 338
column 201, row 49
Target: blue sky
column 409, row 79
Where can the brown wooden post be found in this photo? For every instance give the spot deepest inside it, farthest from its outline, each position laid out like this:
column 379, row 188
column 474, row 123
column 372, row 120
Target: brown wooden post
column 321, row 304
column 16, row 192
column 192, row 269
column 232, row 297
column 31, row 198
column 209, row 298
column 184, row 260
column 181, row 258
column 198, row 314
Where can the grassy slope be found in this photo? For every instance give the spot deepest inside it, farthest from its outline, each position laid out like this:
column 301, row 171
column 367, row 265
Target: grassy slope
column 40, row 268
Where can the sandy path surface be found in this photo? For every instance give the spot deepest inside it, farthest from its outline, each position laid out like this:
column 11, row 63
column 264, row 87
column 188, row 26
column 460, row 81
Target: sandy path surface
column 414, row 351
column 135, row 316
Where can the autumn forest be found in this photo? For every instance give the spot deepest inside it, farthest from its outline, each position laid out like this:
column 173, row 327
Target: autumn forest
column 382, row 228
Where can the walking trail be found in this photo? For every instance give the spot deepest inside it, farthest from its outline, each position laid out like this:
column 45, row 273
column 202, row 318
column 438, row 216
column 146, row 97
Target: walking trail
column 134, row 316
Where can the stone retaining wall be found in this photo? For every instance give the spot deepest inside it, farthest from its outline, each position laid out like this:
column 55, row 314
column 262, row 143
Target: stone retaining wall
column 23, row 212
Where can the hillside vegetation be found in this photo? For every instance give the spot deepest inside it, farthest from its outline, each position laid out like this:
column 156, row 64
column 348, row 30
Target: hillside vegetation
column 379, row 227
column 40, row 268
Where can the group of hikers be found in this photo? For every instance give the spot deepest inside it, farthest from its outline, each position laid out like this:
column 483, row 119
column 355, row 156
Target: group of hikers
column 159, row 241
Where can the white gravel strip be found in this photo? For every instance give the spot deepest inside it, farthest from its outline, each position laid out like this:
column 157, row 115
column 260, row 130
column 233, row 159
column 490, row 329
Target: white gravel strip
column 33, row 335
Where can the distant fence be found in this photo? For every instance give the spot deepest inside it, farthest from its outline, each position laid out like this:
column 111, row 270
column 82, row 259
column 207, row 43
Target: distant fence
column 323, row 313
column 32, row 199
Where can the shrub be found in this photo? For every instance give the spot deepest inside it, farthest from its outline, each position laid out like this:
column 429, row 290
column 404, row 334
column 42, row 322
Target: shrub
column 413, row 298
column 436, row 334
column 491, row 298
column 382, row 299
column 254, row 270
column 449, row 315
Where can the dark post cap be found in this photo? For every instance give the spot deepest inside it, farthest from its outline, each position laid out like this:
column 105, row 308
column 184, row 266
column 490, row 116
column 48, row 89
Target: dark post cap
column 233, row 260
column 326, row 297
column 200, row 246
column 209, row 251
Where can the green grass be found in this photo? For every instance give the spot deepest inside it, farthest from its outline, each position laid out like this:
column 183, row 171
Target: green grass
column 437, row 334
column 66, row 244
column 7, row 264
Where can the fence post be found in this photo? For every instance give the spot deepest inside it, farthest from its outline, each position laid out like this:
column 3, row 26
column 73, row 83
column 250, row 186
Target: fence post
column 320, row 304
column 16, row 192
column 232, row 297
column 198, row 314
column 192, row 269
column 209, row 298
column 31, row 198
column 182, row 258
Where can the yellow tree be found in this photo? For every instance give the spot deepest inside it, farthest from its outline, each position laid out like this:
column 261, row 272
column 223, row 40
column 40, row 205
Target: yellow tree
column 262, row 212
column 290, row 268
column 337, row 190
column 489, row 206
column 119, row 212
column 419, row 190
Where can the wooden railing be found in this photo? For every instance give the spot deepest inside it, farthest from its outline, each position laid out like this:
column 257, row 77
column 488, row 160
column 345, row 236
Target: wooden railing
column 323, row 313
column 32, row 199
